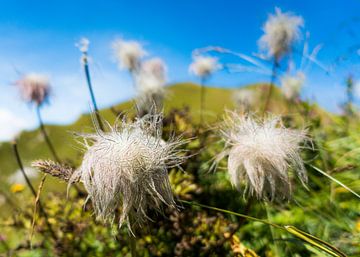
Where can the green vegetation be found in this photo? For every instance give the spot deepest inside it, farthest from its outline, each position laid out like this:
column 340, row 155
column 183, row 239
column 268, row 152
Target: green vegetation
column 323, row 209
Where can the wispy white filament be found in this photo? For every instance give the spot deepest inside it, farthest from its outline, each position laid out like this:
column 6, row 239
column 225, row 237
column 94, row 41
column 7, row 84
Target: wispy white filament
column 127, row 168
column 204, row 66
column 281, row 30
column 260, row 155
column 34, row 87
column 128, row 53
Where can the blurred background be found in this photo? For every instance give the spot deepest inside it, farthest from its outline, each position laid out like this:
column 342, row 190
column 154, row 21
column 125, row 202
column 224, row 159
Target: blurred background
column 39, row 36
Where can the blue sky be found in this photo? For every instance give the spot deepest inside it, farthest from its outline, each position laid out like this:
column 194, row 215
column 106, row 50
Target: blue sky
column 37, row 36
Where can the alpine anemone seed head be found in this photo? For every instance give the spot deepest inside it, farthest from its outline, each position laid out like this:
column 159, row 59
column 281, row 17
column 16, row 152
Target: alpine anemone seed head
column 127, row 168
column 34, row 88
column 244, row 98
column 83, row 45
column 261, row 154
column 291, row 85
column 150, row 85
column 281, row 30
column 204, row 66
column 128, row 54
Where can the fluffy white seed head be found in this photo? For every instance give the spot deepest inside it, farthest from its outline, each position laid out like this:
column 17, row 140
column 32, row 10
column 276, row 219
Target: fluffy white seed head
column 83, row 45
column 281, row 30
column 291, row 85
column 260, row 155
column 204, row 66
column 127, row 168
column 128, row 54
column 34, row 88
column 244, row 98
column 150, row 85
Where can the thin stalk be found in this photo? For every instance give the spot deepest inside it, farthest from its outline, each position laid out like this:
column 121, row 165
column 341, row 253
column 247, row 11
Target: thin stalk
column 277, row 251
column 336, row 181
column 232, row 213
column 239, row 223
column 202, row 100
column 271, row 88
column 37, row 201
column 19, row 162
column 132, row 246
column 133, row 74
column 45, row 135
column 92, row 95
column 132, row 239
column 42, row 210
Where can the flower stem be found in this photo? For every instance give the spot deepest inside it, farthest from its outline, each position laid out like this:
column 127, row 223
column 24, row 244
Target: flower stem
column 42, row 210
column 132, row 246
column 272, row 232
column 45, row 135
column 92, row 95
column 231, row 212
column 271, row 87
column 240, row 222
column 202, row 100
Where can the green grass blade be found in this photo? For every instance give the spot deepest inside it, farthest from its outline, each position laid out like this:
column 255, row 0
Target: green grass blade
column 232, row 213
column 336, row 181
column 324, row 246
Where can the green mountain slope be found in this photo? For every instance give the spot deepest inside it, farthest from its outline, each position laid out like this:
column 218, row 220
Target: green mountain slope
column 32, row 146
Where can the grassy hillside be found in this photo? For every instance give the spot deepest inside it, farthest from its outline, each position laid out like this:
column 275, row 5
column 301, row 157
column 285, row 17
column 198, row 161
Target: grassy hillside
column 32, row 146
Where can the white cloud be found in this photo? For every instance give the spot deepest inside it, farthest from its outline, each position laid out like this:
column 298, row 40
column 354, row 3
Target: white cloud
column 10, row 125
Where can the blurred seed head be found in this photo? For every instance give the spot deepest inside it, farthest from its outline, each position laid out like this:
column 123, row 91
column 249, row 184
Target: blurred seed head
column 281, row 30
column 244, row 98
column 83, row 45
column 260, row 155
column 204, row 66
column 128, row 168
column 150, row 85
column 128, row 54
column 291, row 85
column 34, row 88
